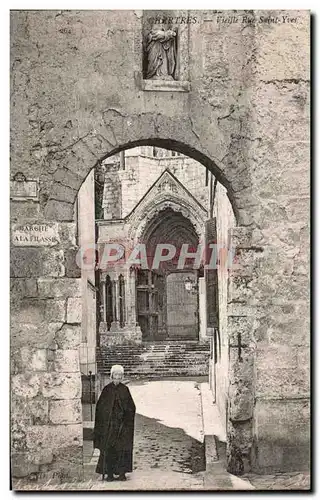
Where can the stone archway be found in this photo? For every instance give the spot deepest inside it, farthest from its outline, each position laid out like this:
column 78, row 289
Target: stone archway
column 63, row 174
column 119, row 132
column 65, row 171
column 244, row 119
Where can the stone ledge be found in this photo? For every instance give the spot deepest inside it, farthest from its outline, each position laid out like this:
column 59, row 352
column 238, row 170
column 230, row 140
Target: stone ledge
column 165, row 85
column 212, row 426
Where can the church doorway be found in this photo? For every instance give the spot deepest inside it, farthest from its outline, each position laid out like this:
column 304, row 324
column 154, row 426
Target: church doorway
column 158, row 321
column 168, row 297
column 150, row 310
column 182, row 305
column 168, row 305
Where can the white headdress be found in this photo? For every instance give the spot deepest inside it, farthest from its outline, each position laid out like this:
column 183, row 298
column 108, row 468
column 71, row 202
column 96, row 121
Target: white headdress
column 116, row 369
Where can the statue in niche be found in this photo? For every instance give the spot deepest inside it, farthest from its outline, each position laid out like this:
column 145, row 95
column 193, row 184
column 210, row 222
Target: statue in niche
column 161, row 54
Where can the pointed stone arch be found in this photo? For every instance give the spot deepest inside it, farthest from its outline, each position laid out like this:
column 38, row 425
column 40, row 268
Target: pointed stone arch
column 65, row 170
column 176, row 197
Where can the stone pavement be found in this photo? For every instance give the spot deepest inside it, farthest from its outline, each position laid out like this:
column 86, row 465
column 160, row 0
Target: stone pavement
column 168, row 448
column 280, row 481
column 168, row 428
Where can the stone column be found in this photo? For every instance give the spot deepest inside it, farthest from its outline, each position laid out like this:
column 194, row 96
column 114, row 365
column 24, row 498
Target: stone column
column 116, row 301
column 241, row 319
column 104, row 312
column 202, row 310
column 115, row 304
column 130, row 292
column 130, row 332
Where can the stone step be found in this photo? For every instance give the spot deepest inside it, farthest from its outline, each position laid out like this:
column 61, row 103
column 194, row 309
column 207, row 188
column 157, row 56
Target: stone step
column 155, row 363
column 156, row 359
column 151, row 371
column 154, row 347
column 151, row 353
column 156, row 366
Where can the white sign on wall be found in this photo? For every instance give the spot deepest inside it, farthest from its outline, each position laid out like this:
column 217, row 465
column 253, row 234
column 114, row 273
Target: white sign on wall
column 36, row 235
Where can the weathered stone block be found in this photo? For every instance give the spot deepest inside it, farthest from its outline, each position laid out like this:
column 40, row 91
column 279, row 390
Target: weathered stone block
column 18, row 435
column 240, row 288
column 246, row 261
column 289, row 375
column 61, row 385
column 55, row 310
column 23, row 288
column 19, row 407
column 277, row 356
column 67, row 465
column 39, row 411
column 66, row 360
column 26, row 385
column 42, row 457
column 241, row 435
column 68, row 178
column 241, row 309
column 281, row 428
column 59, row 210
column 31, row 359
column 303, row 356
column 278, row 289
column 28, row 411
column 240, row 325
column 240, row 237
column 53, row 437
column 276, row 52
column 74, row 310
column 63, row 193
column 34, row 335
column 241, row 371
column 72, row 268
column 35, row 262
column 21, row 466
column 28, row 311
column 65, row 412
column 241, row 402
column 67, row 233
column 286, row 324
column 283, row 382
column 27, row 210
column 69, row 336
column 61, row 287
column 239, row 446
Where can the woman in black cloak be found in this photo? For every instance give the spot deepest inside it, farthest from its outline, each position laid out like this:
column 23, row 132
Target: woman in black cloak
column 114, row 427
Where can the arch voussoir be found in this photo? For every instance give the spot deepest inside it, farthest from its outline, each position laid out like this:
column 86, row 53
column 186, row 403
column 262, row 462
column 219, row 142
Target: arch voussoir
column 116, row 131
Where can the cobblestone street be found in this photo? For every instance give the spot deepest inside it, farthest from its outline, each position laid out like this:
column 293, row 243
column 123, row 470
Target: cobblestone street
column 281, row 481
column 168, row 436
column 168, row 448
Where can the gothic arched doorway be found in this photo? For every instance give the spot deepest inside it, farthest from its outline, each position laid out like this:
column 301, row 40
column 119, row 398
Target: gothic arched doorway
column 168, row 293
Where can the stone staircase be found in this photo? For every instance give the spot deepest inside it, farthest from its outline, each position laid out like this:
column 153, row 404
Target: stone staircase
column 156, row 360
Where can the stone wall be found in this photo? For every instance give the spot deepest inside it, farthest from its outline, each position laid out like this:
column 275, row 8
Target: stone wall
column 46, row 428
column 86, row 310
column 142, row 171
column 77, row 96
column 222, row 210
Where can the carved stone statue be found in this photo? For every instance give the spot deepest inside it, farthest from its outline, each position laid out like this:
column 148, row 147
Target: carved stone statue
column 161, row 54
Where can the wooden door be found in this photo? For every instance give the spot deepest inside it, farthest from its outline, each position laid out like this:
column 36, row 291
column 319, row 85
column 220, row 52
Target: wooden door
column 182, row 306
column 150, row 290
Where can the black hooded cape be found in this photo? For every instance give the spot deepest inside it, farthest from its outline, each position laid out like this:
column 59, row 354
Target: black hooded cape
column 114, row 426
